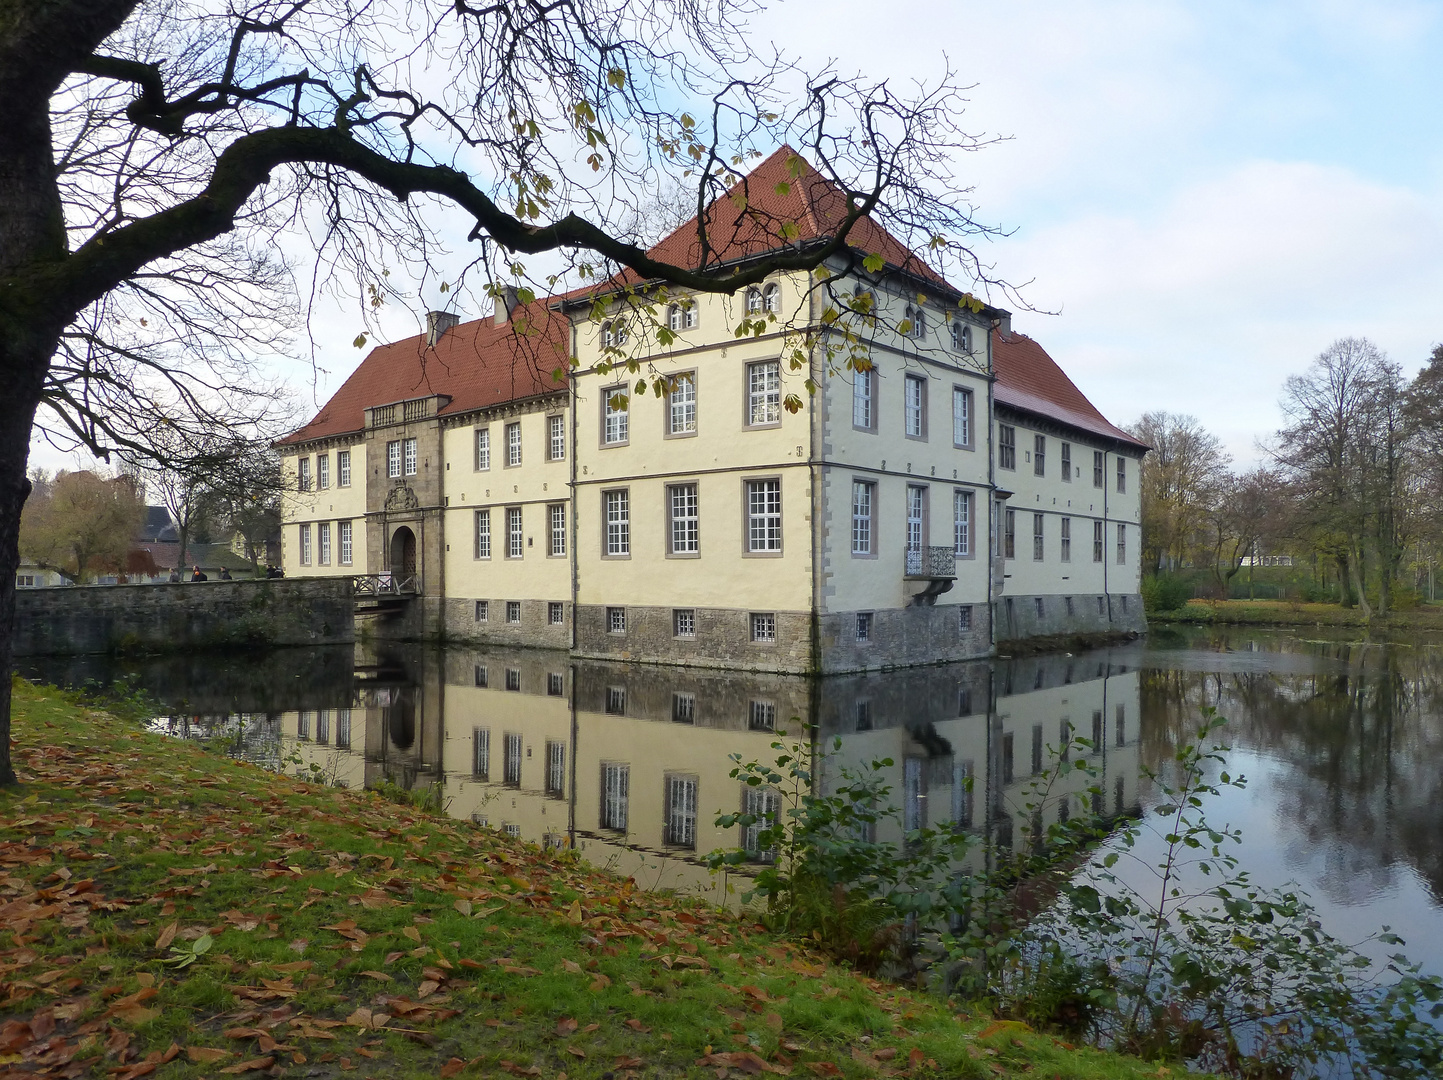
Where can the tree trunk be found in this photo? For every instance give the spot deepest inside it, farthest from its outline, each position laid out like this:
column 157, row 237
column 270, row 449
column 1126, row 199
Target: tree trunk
column 1360, row 586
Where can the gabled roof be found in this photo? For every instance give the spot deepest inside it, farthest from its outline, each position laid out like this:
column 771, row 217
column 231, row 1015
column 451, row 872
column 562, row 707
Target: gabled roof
column 783, row 190
column 1030, row 380
column 476, row 364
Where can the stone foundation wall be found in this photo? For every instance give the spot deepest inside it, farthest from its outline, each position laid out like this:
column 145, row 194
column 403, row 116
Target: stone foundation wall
column 178, row 617
column 902, row 637
column 723, row 638
column 1018, row 616
column 534, row 631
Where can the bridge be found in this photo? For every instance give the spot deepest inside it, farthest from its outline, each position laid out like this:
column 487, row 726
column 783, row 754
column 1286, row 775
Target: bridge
column 380, row 593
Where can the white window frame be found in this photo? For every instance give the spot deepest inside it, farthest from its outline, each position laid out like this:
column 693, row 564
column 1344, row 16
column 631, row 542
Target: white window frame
column 864, row 400
column 408, row 456
column 1039, row 537
column 513, row 444
column 556, row 440
column 1121, row 544
column 393, row 459
column 305, row 545
column 303, row 474
column 963, row 507
column 616, row 523
column 1121, row 475
column 764, row 627
column 344, row 536
column 681, row 405
column 515, row 534
column 1066, row 459
column 615, row 795
column 323, row 472
column 483, row 449
column 615, row 620
column 1039, row 455
column 683, row 622
column 961, row 336
column 343, row 468
column 481, row 753
column 1065, row 541
column 556, row 613
column 772, row 298
column 962, row 417
column 763, row 516
column 683, row 512
column 754, row 301
column 1007, row 447
column 482, row 544
column 914, row 399
column 323, row 543
column 764, row 393
column 513, row 618
column 1099, row 468
column 916, row 517
column 681, row 803
column 615, row 422
column 864, row 503
column 1099, row 541
column 556, row 520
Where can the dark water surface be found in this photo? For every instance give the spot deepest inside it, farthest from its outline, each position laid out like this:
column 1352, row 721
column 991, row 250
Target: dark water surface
column 1342, row 742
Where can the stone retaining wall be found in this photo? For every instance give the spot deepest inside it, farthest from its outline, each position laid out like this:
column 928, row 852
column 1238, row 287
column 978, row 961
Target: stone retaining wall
column 176, row 617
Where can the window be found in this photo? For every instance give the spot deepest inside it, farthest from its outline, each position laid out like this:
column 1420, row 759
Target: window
column 513, row 444
column 343, row 729
column 303, row 724
column 513, row 679
column 1097, row 544
column 681, row 316
column 556, row 769
column 1007, row 446
column 681, row 811
column 1041, row 613
column 1067, row 463
column 681, row 405
column 683, row 622
column 1100, row 611
column 615, row 416
column 1009, row 535
column 916, row 517
column 863, row 495
column 1036, row 749
column 481, row 752
column 1009, row 766
column 511, row 759
column 556, row 613
column 962, row 524
column 764, row 627
column 555, row 684
column 25, row 581
column 483, row 534
column 961, row 336
column 1124, row 605
column 556, row 517
column 323, row 726
column 864, row 388
column 515, row 542
column 1121, row 475
column 864, row 626
column 617, row 506
column 615, row 785
column 962, row 785
column 483, row 609
column 762, row 716
column 1121, row 725
column 772, row 299
column 961, row 417
column 1070, row 613
column 408, row 451
column 764, row 515
column 513, row 613
column 305, row 545
column 685, row 536
column 864, row 716
column 1097, row 468
column 343, row 468
column 964, row 618
column 1039, row 455
column 323, row 534
column 483, row 449
column 303, row 474
column 764, row 393
column 683, row 708
column 1066, row 540
column 1121, row 545
column 915, row 401
column 1037, row 520
column 511, row 830
column 323, row 471
column 613, row 334
column 754, row 301
column 917, row 320
column 616, row 620
column 762, row 804
column 616, row 700
column 556, row 438
column 344, row 531
column 393, row 459
column 483, row 673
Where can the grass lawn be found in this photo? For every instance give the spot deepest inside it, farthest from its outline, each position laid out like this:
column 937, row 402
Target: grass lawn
column 165, row 911
column 1291, row 613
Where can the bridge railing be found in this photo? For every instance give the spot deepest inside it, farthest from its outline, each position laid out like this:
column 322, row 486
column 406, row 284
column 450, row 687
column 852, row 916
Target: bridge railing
column 386, row 584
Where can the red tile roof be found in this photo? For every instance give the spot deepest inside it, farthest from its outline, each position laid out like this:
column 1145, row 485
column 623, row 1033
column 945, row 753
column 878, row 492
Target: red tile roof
column 1030, row 380
column 782, row 190
column 476, row 364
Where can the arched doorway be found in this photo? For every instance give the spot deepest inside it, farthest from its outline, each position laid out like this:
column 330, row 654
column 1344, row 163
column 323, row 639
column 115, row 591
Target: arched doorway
column 403, row 551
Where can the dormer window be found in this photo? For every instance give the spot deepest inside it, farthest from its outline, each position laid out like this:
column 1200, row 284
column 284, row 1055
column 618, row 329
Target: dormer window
column 918, row 320
column 754, row 301
column 961, row 336
column 613, row 334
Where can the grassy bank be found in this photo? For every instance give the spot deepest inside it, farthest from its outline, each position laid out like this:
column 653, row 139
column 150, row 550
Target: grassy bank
column 167, row 912
column 1289, row 613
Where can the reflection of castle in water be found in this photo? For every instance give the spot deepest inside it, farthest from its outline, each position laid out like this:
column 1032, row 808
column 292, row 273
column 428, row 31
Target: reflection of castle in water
column 629, row 763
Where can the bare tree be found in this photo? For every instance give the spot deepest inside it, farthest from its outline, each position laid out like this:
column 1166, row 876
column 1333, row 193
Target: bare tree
column 153, row 153
column 80, row 522
column 1245, row 513
column 1182, row 479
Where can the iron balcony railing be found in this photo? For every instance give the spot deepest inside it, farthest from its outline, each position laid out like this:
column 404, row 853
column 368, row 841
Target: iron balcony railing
column 931, row 562
column 386, row 584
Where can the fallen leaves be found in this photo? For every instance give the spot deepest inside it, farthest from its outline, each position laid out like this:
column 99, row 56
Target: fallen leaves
column 744, row 1060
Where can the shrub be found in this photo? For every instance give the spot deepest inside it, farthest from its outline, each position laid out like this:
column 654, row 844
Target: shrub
column 1165, row 592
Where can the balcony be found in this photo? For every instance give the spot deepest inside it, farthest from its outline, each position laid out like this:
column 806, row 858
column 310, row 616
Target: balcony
column 937, row 566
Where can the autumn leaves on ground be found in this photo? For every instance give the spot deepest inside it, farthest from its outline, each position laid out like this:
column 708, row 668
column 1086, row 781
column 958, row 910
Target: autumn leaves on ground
column 165, row 911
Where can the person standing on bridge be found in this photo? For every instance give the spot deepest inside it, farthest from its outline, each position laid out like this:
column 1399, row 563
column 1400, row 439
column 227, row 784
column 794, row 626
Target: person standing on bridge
column 199, row 576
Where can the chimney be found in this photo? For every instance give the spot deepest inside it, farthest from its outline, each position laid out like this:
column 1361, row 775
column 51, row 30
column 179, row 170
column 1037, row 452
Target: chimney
column 1004, row 322
column 505, row 304
column 437, row 323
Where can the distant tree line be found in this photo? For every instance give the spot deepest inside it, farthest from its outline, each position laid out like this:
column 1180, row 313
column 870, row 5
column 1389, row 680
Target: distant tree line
column 1351, row 487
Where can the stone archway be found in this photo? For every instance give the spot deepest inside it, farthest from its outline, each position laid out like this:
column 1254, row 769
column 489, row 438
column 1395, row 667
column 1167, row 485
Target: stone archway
column 403, row 551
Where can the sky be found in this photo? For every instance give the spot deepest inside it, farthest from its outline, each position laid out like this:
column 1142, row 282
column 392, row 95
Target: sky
column 1199, row 197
